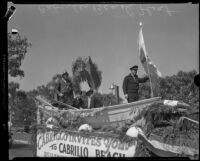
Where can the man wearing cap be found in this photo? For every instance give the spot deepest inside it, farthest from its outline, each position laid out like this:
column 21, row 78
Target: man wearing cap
column 131, row 85
column 65, row 89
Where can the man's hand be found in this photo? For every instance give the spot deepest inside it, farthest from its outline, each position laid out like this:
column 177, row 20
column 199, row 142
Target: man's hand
column 126, row 96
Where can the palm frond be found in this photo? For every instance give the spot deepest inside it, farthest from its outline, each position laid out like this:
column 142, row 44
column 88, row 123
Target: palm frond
column 84, row 70
column 95, row 78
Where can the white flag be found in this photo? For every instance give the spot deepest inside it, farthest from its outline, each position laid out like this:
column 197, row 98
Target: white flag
column 148, row 65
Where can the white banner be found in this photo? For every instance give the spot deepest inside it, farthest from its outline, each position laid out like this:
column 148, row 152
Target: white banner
column 66, row 144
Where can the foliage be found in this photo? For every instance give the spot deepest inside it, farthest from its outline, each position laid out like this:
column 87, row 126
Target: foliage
column 110, row 99
column 144, row 91
column 17, row 49
column 23, row 104
column 24, row 109
column 142, row 151
column 12, row 91
column 45, row 91
column 158, row 115
column 84, row 69
column 177, row 87
column 12, row 97
column 164, row 122
column 102, row 99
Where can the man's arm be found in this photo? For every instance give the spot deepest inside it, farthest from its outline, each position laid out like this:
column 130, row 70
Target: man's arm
column 143, row 80
column 125, row 85
column 59, row 93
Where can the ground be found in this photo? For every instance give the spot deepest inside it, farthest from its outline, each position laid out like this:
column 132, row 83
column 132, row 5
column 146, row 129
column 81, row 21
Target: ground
column 21, row 149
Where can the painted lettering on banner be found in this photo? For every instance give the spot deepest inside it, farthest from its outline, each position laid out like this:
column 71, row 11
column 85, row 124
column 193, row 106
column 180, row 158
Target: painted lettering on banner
column 65, row 144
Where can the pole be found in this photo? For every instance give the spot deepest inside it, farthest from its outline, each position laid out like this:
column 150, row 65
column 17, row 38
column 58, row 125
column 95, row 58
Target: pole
column 117, row 93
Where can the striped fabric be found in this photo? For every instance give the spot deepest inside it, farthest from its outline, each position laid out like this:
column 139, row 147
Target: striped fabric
column 148, row 65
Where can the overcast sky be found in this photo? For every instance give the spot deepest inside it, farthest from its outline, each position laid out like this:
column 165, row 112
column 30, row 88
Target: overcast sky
column 60, row 34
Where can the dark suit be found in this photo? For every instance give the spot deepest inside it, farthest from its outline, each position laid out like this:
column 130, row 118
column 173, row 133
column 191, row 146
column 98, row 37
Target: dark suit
column 131, row 86
column 65, row 88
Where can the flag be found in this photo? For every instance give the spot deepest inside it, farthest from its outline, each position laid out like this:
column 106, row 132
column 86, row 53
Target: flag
column 150, row 68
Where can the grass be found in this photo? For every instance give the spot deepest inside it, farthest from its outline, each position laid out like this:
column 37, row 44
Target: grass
column 21, row 136
column 21, row 150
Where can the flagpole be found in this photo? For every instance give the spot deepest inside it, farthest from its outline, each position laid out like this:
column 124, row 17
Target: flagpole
column 148, row 69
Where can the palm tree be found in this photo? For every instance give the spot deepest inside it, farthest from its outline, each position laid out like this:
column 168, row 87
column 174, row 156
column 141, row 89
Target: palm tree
column 84, row 69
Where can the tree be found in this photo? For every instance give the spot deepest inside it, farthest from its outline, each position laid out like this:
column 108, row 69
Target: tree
column 17, row 49
column 12, row 94
column 25, row 111
column 176, row 87
column 12, row 98
column 12, row 89
column 84, row 69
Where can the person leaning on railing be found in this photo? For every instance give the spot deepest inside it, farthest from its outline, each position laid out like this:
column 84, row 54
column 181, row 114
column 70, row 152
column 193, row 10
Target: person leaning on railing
column 65, row 90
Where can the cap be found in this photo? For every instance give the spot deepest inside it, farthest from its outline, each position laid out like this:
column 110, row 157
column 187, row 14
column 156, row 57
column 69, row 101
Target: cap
column 65, row 73
column 135, row 67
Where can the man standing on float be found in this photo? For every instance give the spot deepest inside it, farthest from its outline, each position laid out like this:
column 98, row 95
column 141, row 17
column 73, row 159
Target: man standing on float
column 131, row 85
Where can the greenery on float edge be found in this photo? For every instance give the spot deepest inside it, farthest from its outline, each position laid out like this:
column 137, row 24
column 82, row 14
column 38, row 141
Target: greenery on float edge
column 162, row 120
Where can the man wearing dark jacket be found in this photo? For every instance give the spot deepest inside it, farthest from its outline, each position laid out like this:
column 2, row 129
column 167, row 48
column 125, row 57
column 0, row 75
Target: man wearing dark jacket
column 131, row 85
column 64, row 90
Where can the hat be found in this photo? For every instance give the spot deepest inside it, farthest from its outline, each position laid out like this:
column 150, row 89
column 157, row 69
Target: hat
column 135, row 67
column 89, row 92
column 65, row 73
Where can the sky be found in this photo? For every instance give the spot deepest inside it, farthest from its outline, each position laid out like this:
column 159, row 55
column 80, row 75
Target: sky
column 59, row 34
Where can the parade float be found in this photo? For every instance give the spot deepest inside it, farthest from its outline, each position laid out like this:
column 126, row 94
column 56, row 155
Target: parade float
column 146, row 128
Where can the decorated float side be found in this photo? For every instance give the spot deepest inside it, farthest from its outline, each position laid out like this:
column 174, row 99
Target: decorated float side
column 153, row 127
column 146, row 128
